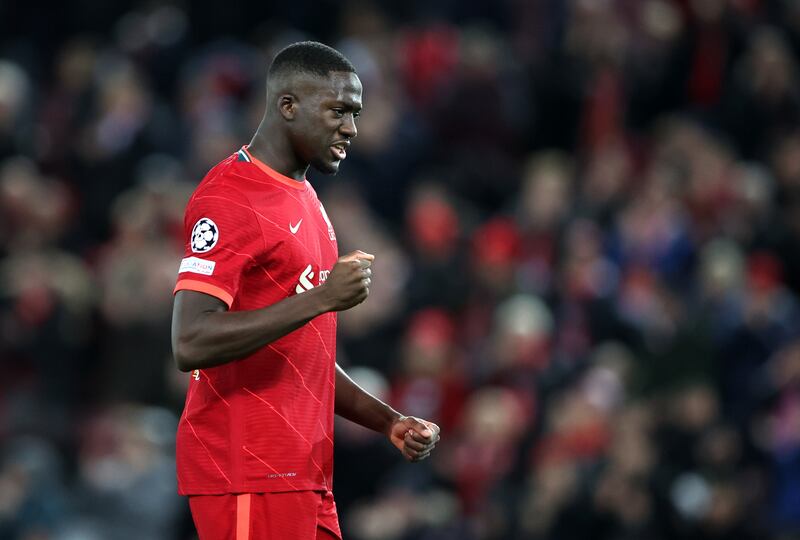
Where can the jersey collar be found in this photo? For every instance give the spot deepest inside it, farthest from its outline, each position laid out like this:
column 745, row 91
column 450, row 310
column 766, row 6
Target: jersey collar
column 245, row 154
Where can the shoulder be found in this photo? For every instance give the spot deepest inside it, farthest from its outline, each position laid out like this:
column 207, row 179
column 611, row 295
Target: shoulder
column 222, row 183
column 218, row 203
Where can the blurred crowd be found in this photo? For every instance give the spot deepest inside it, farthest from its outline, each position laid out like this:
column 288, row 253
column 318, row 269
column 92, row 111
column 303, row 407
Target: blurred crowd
column 586, row 218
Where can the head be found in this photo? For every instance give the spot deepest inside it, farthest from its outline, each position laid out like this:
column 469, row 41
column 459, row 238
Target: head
column 314, row 95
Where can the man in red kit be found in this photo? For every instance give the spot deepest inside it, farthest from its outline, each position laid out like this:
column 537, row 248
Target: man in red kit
column 254, row 319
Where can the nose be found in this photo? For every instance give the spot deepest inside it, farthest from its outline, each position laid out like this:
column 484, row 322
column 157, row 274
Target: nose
column 348, row 126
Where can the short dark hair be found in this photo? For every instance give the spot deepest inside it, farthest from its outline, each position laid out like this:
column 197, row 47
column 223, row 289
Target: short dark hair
column 310, row 57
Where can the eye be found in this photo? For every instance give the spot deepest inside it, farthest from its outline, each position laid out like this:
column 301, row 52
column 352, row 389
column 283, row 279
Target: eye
column 338, row 113
column 356, row 114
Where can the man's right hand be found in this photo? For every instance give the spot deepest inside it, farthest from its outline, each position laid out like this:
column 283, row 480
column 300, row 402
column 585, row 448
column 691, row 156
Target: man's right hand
column 349, row 281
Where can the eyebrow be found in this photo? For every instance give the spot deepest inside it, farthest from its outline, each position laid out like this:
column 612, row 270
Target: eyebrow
column 347, row 105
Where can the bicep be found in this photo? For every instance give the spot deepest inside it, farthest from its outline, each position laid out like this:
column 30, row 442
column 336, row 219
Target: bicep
column 188, row 306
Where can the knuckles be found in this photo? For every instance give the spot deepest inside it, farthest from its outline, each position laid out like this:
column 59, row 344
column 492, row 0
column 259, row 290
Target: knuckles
column 351, row 281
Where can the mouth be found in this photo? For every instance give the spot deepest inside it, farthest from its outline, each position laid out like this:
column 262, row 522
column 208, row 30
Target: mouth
column 339, row 150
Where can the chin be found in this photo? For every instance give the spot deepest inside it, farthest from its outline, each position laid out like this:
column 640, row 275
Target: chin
column 327, row 167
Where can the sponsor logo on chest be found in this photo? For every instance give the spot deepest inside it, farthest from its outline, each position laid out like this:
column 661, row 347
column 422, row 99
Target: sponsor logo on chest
column 306, row 280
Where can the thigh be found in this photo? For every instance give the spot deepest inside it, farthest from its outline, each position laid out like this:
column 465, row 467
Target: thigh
column 288, row 515
column 214, row 516
column 327, row 518
column 291, row 515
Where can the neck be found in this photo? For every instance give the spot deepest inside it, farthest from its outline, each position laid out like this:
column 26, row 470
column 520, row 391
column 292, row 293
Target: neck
column 276, row 152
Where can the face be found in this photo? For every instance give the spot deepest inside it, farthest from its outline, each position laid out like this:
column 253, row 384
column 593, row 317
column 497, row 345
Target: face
column 324, row 119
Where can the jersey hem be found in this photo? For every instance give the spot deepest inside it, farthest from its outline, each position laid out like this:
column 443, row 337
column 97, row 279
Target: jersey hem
column 251, row 489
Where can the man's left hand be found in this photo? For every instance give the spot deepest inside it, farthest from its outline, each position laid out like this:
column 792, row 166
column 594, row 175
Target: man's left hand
column 414, row 437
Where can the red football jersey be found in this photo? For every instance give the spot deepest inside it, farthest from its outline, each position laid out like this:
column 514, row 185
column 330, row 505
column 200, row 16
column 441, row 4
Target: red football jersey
column 263, row 423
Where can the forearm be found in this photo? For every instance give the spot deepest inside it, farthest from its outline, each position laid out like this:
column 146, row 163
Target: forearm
column 217, row 337
column 357, row 405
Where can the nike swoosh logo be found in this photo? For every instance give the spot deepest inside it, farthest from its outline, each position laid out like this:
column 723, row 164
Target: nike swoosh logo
column 295, row 228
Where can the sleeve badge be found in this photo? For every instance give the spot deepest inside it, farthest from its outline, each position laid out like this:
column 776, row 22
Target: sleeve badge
column 204, row 235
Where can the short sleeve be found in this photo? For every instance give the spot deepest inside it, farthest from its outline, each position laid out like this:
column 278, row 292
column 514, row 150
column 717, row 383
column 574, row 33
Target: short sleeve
column 223, row 239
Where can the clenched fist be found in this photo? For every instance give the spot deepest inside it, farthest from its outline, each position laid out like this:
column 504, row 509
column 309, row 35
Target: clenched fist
column 414, row 437
column 349, row 281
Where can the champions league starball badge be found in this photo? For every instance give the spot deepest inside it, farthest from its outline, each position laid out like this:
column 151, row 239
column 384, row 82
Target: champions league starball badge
column 204, row 235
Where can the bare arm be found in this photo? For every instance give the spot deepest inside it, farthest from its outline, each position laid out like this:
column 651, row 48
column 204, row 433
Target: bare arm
column 357, row 405
column 414, row 437
column 205, row 334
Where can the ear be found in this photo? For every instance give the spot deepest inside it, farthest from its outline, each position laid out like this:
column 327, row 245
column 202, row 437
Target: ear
column 287, row 105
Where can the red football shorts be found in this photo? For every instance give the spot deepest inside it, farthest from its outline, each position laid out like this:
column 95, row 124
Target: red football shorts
column 291, row 515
